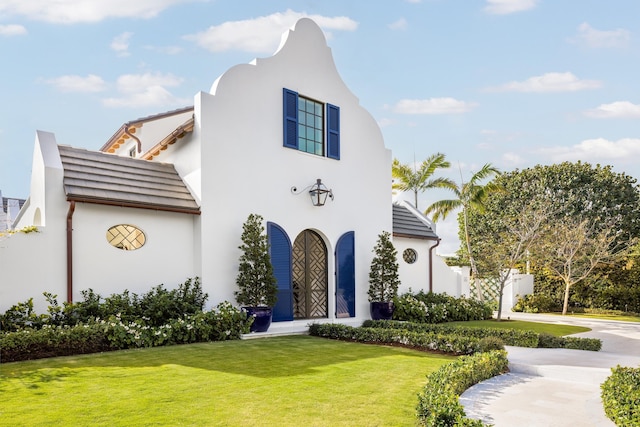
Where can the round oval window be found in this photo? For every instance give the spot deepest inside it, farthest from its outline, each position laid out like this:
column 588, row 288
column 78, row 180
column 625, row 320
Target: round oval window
column 410, row 256
column 126, row 237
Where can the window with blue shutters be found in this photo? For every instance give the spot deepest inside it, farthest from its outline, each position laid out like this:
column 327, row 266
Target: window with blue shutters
column 311, row 126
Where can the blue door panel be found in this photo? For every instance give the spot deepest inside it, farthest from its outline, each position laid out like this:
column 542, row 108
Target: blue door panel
column 346, row 276
column 280, row 252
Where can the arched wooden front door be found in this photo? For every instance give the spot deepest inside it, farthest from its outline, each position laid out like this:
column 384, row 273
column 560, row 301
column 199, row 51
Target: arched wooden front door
column 309, row 276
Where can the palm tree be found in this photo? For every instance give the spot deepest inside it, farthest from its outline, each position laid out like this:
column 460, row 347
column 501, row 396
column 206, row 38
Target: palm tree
column 469, row 195
column 409, row 178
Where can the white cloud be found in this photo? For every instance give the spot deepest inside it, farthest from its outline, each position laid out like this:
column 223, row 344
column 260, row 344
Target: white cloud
column 512, row 160
column 120, row 44
column 263, row 34
column 149, row 89
column 72, row 83
column 12, row 30
column 167, row 50
column 598, row 150
column 505, row 7
column 549, row 82
column 400, row 24
column 73, row 11
column 598, row 38
column 619, row 109
column 433, row 106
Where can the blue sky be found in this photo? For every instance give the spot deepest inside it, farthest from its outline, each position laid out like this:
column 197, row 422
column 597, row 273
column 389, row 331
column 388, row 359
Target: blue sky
column 510, row 82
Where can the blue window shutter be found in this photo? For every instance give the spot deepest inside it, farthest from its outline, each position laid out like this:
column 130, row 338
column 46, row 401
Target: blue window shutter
column 333, row 132
column 290, row 113
column 280, row 253
column 346, row 276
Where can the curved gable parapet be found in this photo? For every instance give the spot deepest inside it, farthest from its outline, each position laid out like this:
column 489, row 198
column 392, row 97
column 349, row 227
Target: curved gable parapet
column 304, row 63
column 304, row 45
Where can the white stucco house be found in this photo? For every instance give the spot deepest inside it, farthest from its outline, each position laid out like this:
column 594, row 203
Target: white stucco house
column 165, row 198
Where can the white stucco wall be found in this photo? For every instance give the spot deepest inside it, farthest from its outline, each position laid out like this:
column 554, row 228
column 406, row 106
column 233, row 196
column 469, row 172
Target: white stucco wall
column 166, row 258
column 415, row 277
column 33, row 263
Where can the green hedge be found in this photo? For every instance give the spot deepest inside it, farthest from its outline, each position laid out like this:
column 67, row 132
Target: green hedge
column 427, row 307
column 225, row 322
column 621, row 396
column 52, row 341
column 512, row 337
column 546, row 340
column 455, row 344
column 438, row 403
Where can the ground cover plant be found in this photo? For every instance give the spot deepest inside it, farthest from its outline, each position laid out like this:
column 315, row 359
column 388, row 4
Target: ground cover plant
column 284, row 381
column 621, row 396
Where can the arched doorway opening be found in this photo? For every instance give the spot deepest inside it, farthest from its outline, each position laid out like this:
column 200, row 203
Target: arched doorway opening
column 310, row 276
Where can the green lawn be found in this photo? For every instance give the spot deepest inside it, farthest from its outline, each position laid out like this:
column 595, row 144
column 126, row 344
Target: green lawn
column 604, row 316
column 285, row 381
column 554, row 329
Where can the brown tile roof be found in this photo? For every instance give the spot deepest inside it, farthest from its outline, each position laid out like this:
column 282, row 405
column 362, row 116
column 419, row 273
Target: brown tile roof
column 130, row 127
column 95, row 177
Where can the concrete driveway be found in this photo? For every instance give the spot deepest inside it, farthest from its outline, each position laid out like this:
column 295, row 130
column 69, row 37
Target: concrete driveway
column 555, row 387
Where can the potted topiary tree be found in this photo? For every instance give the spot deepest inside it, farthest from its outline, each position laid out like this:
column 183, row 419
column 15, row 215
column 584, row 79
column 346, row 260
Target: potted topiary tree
column 257, row 291
column 383, row 278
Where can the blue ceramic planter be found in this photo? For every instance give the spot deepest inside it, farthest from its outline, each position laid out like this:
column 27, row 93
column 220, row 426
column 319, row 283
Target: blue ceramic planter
column 381, row 310
column 261, row 318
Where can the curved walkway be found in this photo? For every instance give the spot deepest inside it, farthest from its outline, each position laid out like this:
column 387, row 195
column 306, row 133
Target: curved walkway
column 555, row 387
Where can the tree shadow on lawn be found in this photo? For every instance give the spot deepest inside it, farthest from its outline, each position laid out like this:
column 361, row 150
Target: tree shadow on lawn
column 263, row 358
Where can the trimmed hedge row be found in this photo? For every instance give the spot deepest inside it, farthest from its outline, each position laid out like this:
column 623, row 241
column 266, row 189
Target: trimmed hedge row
column 621, row 396
column 52, row 341
column 225, row 322
column 546, row 340
column 455, row 344
column 512, row 337
column 438, row 403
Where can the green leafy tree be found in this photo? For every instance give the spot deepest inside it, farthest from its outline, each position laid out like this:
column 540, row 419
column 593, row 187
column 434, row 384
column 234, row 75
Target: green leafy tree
column 576, row 192
column 383, row 274
column 417, row 180
column 469, row 196
column 255, row 280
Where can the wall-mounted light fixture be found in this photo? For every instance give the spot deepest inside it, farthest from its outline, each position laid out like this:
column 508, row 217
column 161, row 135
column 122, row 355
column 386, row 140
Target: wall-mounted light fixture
column 318, row 193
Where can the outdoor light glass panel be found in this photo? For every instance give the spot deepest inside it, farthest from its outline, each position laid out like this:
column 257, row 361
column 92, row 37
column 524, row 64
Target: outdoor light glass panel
column 126, row 237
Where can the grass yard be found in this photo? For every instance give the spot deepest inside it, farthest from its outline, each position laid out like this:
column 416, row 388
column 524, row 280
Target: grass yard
column 553, row 329
column 284, row 381
column 604, row 316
